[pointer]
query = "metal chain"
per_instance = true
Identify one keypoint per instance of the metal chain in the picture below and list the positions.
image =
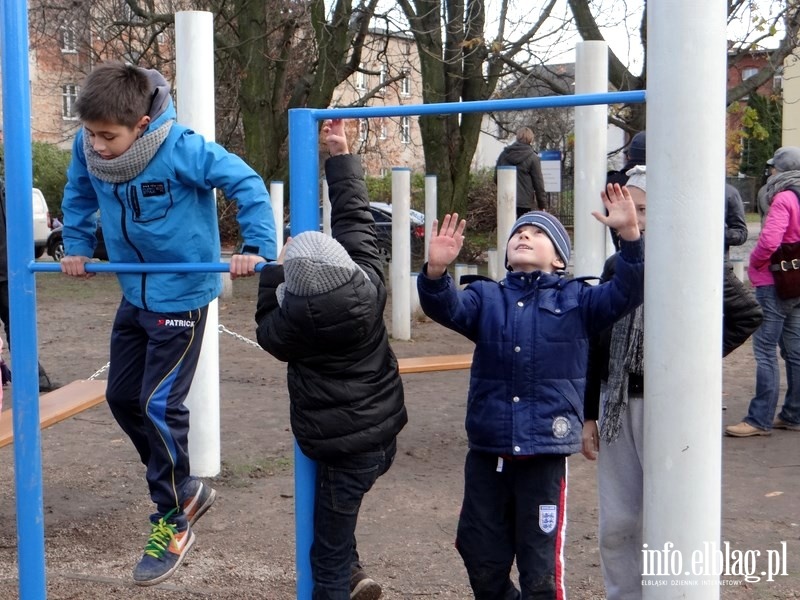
(100, 371)
(222, 329)
(238, 336)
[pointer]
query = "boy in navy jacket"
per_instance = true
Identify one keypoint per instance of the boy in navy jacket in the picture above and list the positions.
(525, 404)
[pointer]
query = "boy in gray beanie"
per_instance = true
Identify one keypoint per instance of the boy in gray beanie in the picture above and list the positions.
(525, 405)
(320, 309)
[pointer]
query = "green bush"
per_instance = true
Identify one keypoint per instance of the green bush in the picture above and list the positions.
(49, 172)
(50, 165)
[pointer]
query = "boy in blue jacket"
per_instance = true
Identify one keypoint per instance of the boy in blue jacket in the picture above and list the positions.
(153, 182)
(525, 404)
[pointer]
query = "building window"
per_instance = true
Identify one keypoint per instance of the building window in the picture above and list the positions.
(405, 84)
(748, 72)
(69, 94)
(363, 129)
(777, 82)
(361, 78)
(405, 130)
(383, 74)
(69, 39)
(383, 130)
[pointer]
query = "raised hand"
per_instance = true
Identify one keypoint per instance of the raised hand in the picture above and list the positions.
(445, 244)
(621, 212)
(334, 136)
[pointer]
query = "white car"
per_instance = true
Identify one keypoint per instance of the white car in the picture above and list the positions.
(41, 223)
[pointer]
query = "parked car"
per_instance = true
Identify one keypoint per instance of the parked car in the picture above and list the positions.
(41, 223)
(55, 244)
(382, 213)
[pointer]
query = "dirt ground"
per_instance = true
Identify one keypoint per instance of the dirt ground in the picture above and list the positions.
(96, 504)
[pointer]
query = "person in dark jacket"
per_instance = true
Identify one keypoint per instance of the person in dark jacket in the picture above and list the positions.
(321, 311)
(525, 404)
(735, 223)
(635, 155)
(530, 183)
(45, 384)
(616, 374)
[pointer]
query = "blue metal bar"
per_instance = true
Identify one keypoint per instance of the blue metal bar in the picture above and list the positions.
(93, 267)
(479, 106)
(22, 296)
(304, 180)
(304, 215)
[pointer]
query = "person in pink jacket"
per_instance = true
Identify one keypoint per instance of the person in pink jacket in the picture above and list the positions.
(781, 325)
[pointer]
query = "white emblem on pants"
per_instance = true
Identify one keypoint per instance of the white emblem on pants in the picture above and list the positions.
(548, 517)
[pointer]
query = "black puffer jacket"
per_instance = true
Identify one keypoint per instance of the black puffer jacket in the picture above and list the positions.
(344, 384)
(741, 316)
(530, 182)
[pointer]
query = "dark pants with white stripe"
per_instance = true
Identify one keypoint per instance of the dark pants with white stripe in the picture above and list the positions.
(514, 509)
(153, 360)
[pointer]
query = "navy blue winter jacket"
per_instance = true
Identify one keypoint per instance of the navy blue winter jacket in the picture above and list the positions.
(531, 334)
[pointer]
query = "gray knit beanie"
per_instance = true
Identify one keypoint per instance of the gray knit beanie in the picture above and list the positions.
(551, 226)
(316, 263)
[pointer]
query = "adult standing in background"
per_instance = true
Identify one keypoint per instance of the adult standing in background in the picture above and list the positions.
(635, 155)
(530, 183)
(780, 329)
(735, 223)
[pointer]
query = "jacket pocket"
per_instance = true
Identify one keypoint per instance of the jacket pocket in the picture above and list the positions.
(150, 201)
(560, 318)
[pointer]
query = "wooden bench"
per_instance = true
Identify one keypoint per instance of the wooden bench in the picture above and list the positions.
(427, 364)
(58, 405)
(83, 394)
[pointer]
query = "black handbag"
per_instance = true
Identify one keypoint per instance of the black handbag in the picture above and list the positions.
(785, 267)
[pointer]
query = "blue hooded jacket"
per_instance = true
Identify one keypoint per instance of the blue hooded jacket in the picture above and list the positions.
(167, 213)
(531, 334)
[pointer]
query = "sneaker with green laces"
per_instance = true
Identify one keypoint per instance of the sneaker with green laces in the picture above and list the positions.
(165, 550)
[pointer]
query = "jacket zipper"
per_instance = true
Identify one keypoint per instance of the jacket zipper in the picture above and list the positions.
(124, 226)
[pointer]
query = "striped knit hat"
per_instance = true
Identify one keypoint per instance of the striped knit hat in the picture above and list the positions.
(551, 226)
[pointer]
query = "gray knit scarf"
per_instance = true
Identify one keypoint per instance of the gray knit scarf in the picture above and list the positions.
(626, 356)
(130, 163)
(782, 181)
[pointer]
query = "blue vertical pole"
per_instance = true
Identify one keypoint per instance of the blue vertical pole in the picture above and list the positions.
(22, 295)
(303, 215)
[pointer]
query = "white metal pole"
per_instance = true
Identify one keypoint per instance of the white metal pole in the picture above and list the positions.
(458, 272)
(591, 122)
(326, 208)
(506, 214)
(431, 202)
(276, 198)
(491, 263)
(400, 272)
(414, 296)
(194, 75)
(683, 365)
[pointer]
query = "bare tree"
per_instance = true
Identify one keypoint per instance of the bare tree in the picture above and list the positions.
(271, 56)
(763, 21)
(459, 63)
